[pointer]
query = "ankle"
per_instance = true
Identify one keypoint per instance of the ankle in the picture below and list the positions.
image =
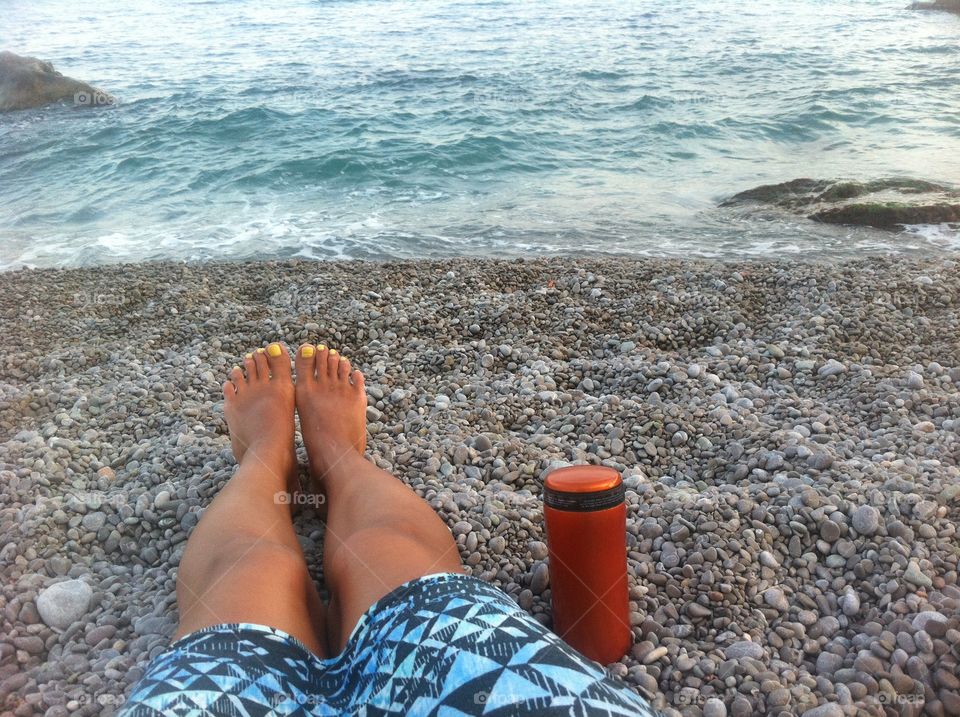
(280, 457)
(333, 457)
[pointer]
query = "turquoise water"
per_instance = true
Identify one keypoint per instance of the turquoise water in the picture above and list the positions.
(396, 128)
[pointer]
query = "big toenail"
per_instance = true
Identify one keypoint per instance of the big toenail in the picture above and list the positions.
(274, 350)
(306, 351)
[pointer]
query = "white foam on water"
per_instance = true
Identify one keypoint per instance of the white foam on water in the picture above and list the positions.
(945, 235)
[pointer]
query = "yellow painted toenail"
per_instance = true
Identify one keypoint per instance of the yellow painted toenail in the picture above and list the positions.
(306, 351)
(248, 356)
(274, 350)
(333, 352)
(237, 368)
(261, 350)
(321, 347)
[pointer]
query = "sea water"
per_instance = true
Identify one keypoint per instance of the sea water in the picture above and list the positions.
(408, 128)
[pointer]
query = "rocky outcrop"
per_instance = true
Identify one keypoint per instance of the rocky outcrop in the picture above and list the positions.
(882, 203)
(27, 82)
(945, 5)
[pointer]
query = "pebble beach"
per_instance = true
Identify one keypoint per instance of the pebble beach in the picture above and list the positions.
(789, 433)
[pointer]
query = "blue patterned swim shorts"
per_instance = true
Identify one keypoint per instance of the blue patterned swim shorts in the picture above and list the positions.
(445, 645)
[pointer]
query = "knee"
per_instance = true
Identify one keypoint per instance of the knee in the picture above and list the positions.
(395, 546)
(250, 561)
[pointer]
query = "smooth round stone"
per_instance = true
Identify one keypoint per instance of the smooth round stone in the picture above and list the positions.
(92, 522)
(870, 664)
(850, 603)
(775, 598)
(819, 460)
(63, 604)
(779, 697)
(829, 531)
(741, 707)
(59, 564)
(922, 619)
(714, 707)
(655, 654)
(830, 709)
(846, 548)
(695, 609)
(865, 519)
(540, 578)
(828, 663)
(98, 634)
(538, 550)
(913, 574)
(161, 500)
(768, 560)
(743, 648)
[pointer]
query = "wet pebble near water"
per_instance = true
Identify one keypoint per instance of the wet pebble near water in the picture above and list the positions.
(789, 436)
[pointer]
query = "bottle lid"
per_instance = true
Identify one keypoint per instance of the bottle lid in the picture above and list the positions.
(583, 488)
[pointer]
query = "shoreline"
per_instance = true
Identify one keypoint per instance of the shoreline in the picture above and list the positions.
(790, 432)
(629, 257)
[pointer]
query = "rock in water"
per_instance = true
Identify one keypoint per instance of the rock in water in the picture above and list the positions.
(62, 604)
(945, 5)
(882, 203)
(27, 82)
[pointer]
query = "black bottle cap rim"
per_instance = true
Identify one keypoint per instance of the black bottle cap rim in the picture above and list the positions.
(584, 502)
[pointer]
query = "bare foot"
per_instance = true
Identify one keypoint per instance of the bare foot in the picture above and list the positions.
(332, 404)
(258, 402)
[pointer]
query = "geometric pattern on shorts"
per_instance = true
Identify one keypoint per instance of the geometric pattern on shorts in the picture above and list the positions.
(445, 645)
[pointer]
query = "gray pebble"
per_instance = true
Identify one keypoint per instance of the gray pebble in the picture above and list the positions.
(714, 707)
(538, 550)
(830, 709)
(92, 522)
(540, 578)
(865, 519)
(743, 648)
(64, 603)
(913, 574)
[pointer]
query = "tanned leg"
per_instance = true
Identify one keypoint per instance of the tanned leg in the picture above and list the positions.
(380, 534)
(242, 563)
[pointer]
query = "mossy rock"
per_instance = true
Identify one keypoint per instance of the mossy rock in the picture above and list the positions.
(850, 190)
(881, 203)
(796, 192)
(808, 192)
(889, 215)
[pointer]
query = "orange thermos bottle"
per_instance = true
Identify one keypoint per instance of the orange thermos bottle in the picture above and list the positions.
(587, 542)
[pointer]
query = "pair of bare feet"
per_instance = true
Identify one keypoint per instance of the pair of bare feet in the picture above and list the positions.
(329, 396)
